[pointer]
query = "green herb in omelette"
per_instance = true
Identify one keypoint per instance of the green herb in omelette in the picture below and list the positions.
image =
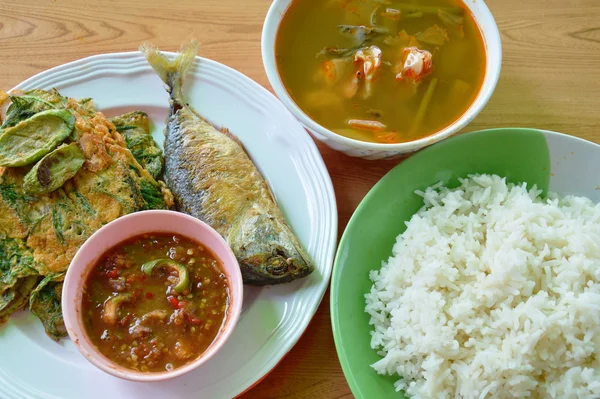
(57, 224)
(45, 304)
(135, 128)
(151, 194)
(16, 297)
(16, 261)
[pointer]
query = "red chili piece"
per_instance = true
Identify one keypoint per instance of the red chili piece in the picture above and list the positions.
(113, 273)
(174, 302)
(194, 320)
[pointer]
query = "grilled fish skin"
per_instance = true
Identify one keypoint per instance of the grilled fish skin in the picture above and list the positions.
(213, 179)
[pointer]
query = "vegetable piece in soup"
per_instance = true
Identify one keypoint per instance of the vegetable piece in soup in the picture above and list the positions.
(403, 69)
(155, 302)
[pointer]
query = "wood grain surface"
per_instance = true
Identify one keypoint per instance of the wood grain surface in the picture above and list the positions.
(550, 79)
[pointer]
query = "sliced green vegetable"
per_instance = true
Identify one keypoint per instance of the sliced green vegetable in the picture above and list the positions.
(450, 19)
(413, 14)
(184, 279)
(373, 17)
(362, 33)
(31, 139)
(433, 35)
(111, 307)
(416, 8)
(24, 107)
(29, 104)
(52, 171)
(453, 22)
(338, 52)
(424, 104)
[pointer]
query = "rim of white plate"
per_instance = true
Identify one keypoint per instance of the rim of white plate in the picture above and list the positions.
(316, 182)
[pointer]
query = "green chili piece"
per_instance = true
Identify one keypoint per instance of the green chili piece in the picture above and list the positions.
(184, 279)
(111, 307)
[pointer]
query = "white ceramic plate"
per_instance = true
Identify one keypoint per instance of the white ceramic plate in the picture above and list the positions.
(273, 318)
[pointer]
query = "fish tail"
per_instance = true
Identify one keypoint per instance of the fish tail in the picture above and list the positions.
(172, 72)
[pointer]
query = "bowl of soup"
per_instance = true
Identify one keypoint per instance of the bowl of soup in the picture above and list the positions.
(376, 79)
(152, 295)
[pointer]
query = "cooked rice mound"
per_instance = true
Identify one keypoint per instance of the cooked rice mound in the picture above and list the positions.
(492, 292)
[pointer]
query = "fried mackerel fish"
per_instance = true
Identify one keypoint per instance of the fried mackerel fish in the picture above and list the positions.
(65, 171)
(214, 179)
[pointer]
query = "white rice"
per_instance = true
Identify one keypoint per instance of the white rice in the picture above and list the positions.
(492, 292)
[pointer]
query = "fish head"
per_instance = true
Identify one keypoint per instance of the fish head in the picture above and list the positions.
(277, 266)
(268, 252)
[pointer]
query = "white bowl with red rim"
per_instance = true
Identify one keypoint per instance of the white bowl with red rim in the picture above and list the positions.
(355, 148)
(122, 229)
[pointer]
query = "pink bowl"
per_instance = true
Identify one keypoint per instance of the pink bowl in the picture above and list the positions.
(122, 229)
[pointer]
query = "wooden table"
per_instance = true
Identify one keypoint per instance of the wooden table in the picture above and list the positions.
(550, 79)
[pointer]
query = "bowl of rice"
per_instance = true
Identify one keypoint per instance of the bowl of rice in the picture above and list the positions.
(472, 270)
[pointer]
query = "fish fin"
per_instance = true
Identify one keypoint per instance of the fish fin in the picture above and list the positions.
(165, 67)
(186, 57)
(270, 191)
(233, 137)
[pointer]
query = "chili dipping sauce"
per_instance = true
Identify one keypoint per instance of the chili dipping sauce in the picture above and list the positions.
(155, 302)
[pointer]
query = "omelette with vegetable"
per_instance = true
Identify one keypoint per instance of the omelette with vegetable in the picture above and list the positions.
(65, 172)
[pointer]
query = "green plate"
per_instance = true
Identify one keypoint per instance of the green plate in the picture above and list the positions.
(518, 154)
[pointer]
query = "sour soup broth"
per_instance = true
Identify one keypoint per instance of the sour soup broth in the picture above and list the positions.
(384, 71)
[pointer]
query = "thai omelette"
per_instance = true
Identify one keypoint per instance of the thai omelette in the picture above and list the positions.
(65, 171)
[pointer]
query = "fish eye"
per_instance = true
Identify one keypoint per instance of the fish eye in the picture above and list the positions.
(277, 266)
